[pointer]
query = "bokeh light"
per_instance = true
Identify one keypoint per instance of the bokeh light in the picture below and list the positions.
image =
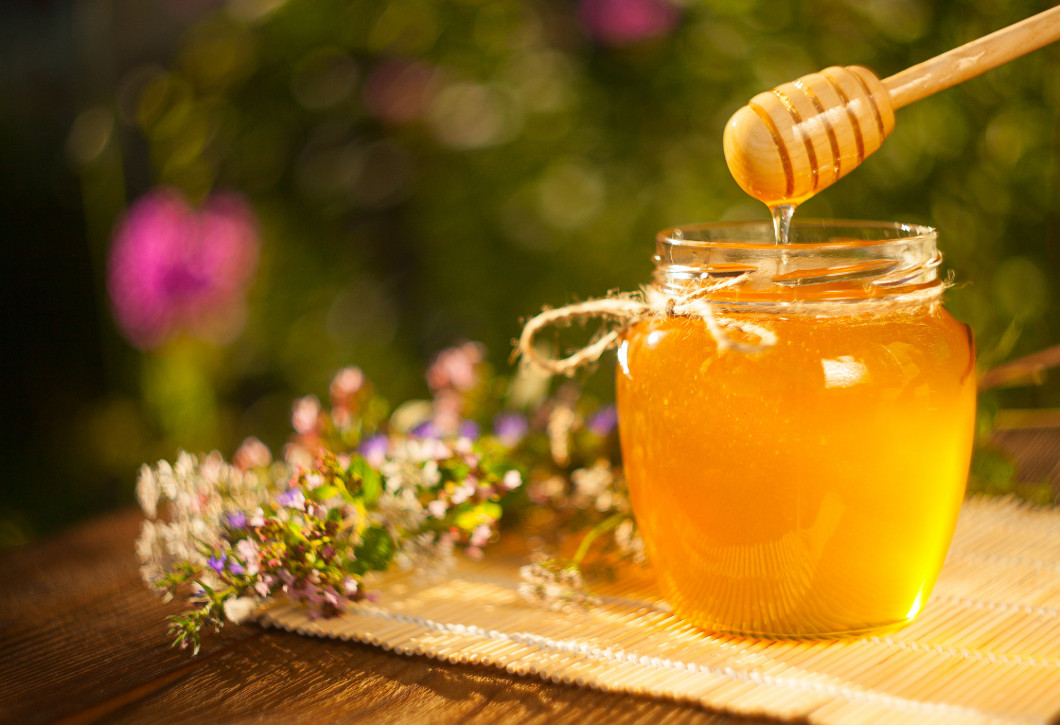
(412, 173)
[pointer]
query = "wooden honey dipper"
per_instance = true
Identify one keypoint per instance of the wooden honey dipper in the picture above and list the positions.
(787, 144)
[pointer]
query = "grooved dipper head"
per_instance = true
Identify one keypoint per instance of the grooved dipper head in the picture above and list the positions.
(787, 144)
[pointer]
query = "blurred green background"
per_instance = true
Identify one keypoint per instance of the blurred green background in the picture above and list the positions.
(419, 172)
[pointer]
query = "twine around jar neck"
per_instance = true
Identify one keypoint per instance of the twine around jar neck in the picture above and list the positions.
(628, 308)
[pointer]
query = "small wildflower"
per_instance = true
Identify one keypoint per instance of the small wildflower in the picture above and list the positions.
(510, 428)
(239, 609)
(305, 414)
(481, 535)
(512, 480)
(252, 454)
(148, 491)
(457, 367)
(249, 552)
(346, 384)
(236, 519)
(292, 498)
(603, 421)
(426, 429)
(469, 429)
(217, 563)
(554, 584)
(374, 449)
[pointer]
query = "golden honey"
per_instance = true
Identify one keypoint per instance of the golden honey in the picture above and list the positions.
(810, 489)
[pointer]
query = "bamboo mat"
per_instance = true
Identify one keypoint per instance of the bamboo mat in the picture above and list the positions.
(985, 649)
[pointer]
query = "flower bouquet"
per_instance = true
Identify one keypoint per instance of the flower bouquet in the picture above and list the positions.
(361, 489)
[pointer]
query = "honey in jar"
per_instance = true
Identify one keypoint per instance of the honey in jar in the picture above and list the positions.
(811, 488)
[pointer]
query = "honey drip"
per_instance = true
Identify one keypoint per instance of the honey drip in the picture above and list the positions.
(782, 214)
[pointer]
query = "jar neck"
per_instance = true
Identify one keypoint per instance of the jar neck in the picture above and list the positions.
(828, 264)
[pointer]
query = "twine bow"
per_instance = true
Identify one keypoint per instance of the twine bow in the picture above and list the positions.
(626, 309)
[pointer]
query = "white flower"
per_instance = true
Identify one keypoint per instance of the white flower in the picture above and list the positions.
(512, 480)
(554, 585)
(239, 609)
(148, 492)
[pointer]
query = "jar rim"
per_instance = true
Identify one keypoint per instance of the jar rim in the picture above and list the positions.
(758, 234)
(829, 261)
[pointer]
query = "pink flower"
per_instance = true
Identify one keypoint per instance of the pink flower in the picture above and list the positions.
(252, 453)
(347, 387)
(304, 415)
(174, 269)
(457, 367)
(623, 22)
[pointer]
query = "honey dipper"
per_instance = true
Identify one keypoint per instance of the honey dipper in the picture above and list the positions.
(787, 144)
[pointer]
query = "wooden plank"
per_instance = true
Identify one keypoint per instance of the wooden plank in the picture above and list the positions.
(287, 677)
(82, 640)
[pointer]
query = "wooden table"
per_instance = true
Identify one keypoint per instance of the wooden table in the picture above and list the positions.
(82, 640)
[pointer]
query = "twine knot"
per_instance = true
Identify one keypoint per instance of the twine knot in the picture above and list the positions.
(625, 309)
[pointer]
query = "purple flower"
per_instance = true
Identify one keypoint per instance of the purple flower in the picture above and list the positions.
(374, 449)
(175, 269)
(603, 421)
(292, 498)
(236, 568)
(236, 519)
(470, 429)
(217, 563)
(426, 429)
(623, 22)
(510, 428)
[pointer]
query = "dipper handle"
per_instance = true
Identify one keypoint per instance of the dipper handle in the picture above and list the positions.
(787, 144)
(974, 58)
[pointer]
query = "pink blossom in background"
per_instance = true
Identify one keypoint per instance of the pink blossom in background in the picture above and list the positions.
(621, 22)
(174, 269)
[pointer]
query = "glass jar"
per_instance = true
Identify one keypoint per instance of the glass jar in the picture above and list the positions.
(810, 489)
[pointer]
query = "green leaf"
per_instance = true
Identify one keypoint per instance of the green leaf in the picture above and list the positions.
(376, 549)
(371, 484)
(323, 492)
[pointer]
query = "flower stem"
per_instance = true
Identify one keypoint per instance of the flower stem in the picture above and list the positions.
(601, 528)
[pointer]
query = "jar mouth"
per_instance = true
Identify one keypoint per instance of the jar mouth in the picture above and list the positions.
(805, 234)
(826, 261)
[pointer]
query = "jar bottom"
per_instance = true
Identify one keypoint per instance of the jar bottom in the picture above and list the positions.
(824, 636)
